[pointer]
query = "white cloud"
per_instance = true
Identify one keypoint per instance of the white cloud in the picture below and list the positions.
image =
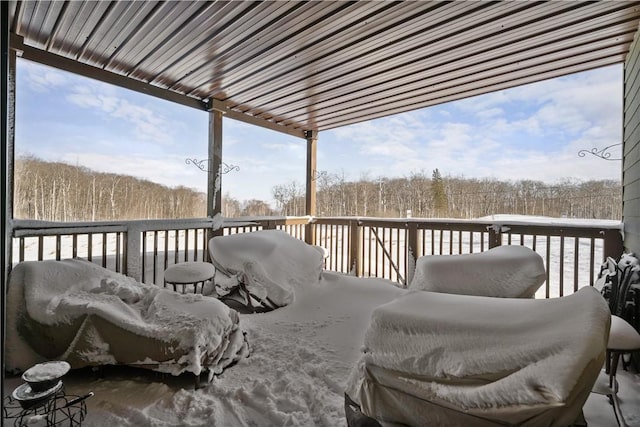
(41, 78)
(148, 124)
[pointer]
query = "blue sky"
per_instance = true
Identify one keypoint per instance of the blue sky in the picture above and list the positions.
(530, 132)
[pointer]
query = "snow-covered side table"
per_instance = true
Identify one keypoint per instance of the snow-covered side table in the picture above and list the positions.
(189, 273)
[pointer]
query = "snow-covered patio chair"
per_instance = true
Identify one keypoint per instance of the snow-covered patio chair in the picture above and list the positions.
(615, 282)
(259, 271)
(77, 311)
(456, 360)
(504, 271)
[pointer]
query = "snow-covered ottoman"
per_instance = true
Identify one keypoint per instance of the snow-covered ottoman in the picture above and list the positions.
(456, 360)
(77, 311)
(504, 271)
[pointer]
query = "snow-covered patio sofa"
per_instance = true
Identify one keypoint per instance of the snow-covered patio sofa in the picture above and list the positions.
(77, 311)
(456, 360)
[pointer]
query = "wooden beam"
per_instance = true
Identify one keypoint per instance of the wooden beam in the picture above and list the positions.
(312, 175)
(214, 104)
(75, 67)
(214, 178)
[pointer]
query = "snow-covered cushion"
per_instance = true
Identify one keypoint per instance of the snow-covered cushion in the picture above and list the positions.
(271, 263)
(504, 271)
(77, 311)
(441, 359)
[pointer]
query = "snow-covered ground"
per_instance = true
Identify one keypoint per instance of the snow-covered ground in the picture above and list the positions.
(301, 356)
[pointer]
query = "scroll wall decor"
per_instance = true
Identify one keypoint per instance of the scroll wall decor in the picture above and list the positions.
(203, 165)
(602, 153)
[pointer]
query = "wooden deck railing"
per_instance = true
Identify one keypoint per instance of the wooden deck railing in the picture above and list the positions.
(366, 247)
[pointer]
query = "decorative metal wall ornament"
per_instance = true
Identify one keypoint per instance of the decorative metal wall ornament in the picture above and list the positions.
(603, 153)
(203, 165)
(316, 174)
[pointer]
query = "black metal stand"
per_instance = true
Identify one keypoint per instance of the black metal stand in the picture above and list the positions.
(59, 409)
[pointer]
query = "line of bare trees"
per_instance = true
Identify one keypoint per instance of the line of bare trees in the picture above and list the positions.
(62, 192)
(431, 197)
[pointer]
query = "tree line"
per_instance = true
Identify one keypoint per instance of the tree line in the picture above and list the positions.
(436, 196)
(55, 191)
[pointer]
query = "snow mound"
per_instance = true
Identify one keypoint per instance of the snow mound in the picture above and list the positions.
(504, 271)
(270, 263)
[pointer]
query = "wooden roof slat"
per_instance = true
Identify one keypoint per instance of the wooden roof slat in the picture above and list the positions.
(490, 83)
(216, 38)
(347, 47)
(296, 66)
(162, 21)
(175, 47)
(265, 43)
(295, 47)
(412, 60)
(449, 66)
(241, 35)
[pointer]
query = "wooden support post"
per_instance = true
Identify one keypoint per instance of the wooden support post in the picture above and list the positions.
(214, 175)
(7, 112)
(413, 251)
(355, 248)
(495, 236)
(310, 201)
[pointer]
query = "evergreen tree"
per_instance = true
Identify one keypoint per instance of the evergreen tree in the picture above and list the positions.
(438, 194)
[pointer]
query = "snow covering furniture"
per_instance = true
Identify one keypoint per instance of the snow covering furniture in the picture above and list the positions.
(77, 311)
(190, 273)
(504, 271)
(457, 360)
(270, 264)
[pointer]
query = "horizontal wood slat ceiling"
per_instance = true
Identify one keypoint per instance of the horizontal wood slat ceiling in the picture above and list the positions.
(298, 66)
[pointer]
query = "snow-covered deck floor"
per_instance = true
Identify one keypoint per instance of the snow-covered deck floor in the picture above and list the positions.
(301, 356)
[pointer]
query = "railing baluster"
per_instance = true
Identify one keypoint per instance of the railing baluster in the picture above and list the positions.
(144, 256)
(576, 254)
(186, 245)
(118, 248)
(176, 248)
(155, 256)
(548, 262)
(592, 257)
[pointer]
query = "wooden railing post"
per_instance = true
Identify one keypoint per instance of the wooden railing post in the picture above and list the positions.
(355, 248)
(495, 235)
(310, 233)
(413, 251)
(134, 253)
(613, 244)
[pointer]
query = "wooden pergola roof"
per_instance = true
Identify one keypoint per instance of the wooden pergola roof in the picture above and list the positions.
(297, 66)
